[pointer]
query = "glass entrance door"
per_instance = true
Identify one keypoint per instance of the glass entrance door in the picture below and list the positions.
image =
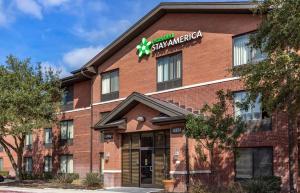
(146, 167)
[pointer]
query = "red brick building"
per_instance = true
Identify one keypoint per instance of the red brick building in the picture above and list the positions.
(124, 111)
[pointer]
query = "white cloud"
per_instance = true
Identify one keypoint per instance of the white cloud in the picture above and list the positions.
(97, 33)
(79, 56)
(30, 7)
(63, 72)
(52, 3)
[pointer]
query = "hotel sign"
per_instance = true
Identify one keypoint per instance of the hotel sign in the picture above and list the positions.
(168, 40)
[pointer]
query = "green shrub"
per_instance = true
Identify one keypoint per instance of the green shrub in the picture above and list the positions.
(47, 176)
(92, 180)
(4, 173)
(232, 188)
(66, 178)
(269, 184)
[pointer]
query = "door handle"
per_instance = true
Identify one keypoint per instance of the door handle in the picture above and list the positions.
(151, 168)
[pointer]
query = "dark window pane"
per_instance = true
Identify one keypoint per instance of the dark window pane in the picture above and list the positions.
(135, 141)
(243, 163)
(147, 140)
(110, 85)
(169, 72)
(263, 162)
(126, 142)
(160, 139)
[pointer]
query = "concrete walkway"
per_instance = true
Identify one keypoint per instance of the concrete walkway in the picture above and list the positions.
(9, 189)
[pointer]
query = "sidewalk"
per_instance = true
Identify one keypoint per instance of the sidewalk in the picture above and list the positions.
(9, 189)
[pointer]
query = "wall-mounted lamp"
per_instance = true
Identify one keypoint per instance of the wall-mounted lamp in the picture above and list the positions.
(106, 156)
(140, 119)
(176, 155)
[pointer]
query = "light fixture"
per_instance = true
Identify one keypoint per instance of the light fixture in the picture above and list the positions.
(176, 155)
(140, 119)
(106, 156)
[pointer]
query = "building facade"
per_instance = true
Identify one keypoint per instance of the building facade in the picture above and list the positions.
(124, 111)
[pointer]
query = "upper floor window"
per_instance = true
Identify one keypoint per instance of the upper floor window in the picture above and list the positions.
(28, 164)
(254, 110)
(110, 85)
(66, 164)
(253, 115)
(28, 140)
(243, 53)
(253, 162)
(67, 99)
(66, 131)
(48, 136)
(169, 71)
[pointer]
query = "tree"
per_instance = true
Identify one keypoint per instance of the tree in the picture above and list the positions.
(29, 100)
(215, 129)
(277, 77)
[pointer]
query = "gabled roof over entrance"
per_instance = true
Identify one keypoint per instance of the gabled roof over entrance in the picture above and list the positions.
(152, 17)
(170, 112)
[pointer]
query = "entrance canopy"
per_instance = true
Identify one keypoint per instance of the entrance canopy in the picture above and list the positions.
(169, 113)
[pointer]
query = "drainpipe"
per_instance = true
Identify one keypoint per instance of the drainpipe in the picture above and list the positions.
(91, 120)
(187, 161)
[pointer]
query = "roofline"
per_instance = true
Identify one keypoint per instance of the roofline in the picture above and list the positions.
(160, 10)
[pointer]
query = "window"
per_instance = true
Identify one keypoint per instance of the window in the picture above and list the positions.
(28, 141)
(254, 111)
(1, 164)
(254, 116)
(67, 99)
(66, 131)
(48, 136)
(66, 164)
(110, 85)
(47, 164)
(253, 162)
(169, 71)
(243, 53)
(28, 164)
(1, 148)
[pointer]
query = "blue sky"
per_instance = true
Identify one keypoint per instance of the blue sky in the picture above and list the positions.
(64, 34)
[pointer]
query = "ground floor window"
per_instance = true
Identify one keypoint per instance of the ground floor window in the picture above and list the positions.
(253, 162)
(66, 164)
(1, 164)
(145, 158)
(28, 164)
(47, 164)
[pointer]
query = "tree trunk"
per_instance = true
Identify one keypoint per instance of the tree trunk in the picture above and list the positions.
(212, 168)
(291, 147)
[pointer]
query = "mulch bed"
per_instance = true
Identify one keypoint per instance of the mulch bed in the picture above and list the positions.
(47, 184)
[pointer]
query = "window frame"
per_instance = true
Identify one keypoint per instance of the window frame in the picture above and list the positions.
(29, 146)
(68, 140)
(51, 137)
(50, 166)
(253, 149)
(25, 165)
(68, 156)
(165, 85)
(1, 164)
(68, 105)
(111, 95)
(238, 36)
(263, 124)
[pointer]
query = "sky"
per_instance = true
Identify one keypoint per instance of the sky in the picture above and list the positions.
(65, 34)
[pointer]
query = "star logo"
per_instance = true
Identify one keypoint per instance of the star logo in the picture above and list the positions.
(144, 48)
